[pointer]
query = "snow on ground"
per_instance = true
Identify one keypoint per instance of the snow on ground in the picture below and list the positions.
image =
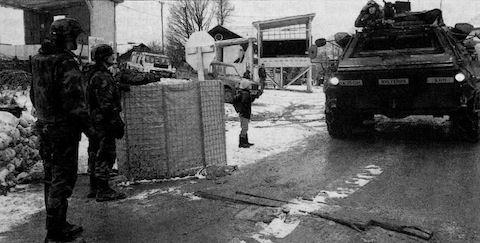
(280, 119)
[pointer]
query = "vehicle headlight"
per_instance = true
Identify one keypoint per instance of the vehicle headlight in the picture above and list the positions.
(460, 77)
(334, 81)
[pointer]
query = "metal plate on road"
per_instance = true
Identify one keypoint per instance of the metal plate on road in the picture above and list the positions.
(393, 81)
(356, 82)
(440, 80)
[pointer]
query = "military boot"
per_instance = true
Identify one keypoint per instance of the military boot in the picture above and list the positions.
(93, 187)
(56, 219)
(72, 229)
(246, 140)
(243, 142)
(105, 193)
(68, 228)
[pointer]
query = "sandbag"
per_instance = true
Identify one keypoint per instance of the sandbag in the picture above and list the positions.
(8, 118)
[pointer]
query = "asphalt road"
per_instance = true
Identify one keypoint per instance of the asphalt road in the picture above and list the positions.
(410, 172)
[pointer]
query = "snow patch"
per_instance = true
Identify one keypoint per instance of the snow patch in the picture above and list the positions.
(146, 194)
(17, 208)
(279, 228)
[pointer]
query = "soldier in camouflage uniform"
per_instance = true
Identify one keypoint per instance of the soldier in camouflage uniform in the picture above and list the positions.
(105, 108)
(58, 96)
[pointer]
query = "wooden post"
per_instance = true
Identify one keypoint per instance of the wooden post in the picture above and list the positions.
(250, 54)
(281, 78)
(309, 79)
(200, 71)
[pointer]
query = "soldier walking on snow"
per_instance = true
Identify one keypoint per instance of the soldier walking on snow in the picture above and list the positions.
(58, 96)
(243, 105)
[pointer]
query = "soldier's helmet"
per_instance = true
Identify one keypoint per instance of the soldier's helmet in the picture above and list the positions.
(66, 28)
(100, 52)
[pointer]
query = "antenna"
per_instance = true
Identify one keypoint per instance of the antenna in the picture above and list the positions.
(441, 4)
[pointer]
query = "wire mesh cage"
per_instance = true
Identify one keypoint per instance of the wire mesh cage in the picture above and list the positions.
(172, 128)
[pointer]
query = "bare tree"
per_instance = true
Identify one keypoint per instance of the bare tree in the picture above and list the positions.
(223, 10)
(186, 17)
(155, 46)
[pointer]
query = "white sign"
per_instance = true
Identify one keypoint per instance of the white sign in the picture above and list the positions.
(200, 50)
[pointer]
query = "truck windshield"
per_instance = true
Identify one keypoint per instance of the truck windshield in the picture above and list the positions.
(394, 43)
(157, 60)
(231, 71)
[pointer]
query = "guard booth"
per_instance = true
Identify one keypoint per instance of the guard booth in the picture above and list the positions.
(283, 48)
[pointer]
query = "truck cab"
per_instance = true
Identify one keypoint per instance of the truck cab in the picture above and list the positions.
(230, 78)
(158, 64)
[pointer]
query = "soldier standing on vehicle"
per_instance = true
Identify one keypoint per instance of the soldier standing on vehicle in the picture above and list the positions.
(243, 106)
(370, 15)
(58, 96)
(262, 74)
(105, 108)
(246, 74)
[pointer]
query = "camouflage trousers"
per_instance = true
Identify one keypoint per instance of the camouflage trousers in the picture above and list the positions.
(244, 125)
(101, 156)
(60, 160)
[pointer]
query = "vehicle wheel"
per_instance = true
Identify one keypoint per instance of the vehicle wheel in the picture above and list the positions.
(337, 125)
(466, 123)
(228, 95)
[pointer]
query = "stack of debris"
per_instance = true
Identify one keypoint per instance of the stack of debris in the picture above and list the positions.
(20, 160)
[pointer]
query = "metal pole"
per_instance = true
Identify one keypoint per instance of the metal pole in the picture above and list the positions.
(163, 41)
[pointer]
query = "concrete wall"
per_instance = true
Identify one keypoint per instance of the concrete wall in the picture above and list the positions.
(97, 20)
(37, 24)
(81, 14)
(102, 15)
(23, 52)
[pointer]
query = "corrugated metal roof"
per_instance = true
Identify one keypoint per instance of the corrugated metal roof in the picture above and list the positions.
(45, 5)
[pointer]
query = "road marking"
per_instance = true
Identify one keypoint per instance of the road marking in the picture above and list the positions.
(282, 226)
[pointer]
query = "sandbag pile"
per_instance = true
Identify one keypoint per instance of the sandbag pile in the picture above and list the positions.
(20, 160)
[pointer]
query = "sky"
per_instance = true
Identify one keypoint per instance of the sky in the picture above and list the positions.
(140, 21)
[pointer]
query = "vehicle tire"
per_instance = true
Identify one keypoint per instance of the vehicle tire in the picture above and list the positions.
(228, 95)
(337, 125)
(466, 124)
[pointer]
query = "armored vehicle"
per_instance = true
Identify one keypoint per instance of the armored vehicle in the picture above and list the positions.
(411, 64)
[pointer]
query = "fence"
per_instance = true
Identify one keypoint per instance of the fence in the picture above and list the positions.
(173, 128)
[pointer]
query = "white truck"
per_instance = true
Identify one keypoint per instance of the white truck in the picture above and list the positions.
(158, 64)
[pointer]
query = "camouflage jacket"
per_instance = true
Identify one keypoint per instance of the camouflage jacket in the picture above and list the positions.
(104, 98)
(58, 92)
(243, 103)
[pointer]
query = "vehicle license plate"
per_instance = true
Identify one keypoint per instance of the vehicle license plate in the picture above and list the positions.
(440, 80)
(393, 81)
(356, 82)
